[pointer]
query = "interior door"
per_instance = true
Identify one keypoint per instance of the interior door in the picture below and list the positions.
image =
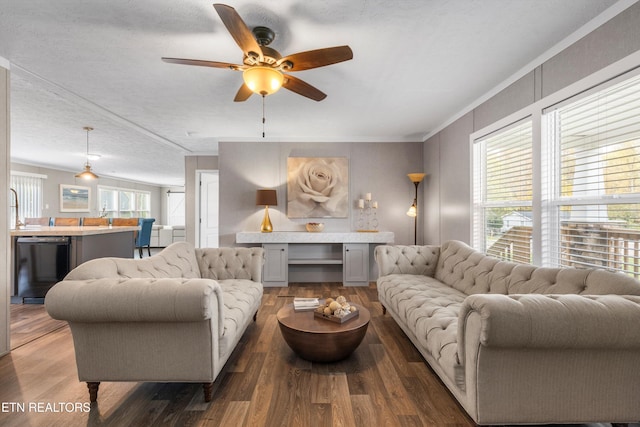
(208, 221)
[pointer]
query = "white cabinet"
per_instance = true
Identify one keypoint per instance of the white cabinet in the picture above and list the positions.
(292, 256)
(155, 236)
(356, 264)
(165, 237)
(275, 268)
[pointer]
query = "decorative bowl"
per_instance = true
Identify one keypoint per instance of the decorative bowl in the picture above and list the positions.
(315, 227)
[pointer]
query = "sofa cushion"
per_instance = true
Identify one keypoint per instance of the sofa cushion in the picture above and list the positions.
(241, 300)
(430, 310)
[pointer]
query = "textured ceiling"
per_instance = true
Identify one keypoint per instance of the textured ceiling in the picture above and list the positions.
(416, 64)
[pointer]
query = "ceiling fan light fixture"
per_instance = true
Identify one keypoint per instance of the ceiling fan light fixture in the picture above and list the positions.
(263, 80)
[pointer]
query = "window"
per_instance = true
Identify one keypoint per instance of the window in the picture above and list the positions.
(503, 193)
(565, 191)
(29, 188)
(593, 213)
(124, 203)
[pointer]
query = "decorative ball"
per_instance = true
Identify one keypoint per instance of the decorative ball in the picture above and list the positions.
(341, 299)
(335, 305)
(327, 311)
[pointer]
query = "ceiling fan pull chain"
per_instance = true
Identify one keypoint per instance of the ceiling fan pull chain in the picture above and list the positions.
(263, 119)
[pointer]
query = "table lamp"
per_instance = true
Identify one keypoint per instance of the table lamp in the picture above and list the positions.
(266, 198)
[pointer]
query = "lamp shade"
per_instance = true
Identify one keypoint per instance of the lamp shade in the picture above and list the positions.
(416, 177)
(86, 173)
(263, 80)
(266, 197)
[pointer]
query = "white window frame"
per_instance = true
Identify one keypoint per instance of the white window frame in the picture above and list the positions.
(513, 251)
(117, 213)
(545, 174)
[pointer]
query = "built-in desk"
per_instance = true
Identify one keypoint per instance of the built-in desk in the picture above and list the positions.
(298, 256)
(78, 244)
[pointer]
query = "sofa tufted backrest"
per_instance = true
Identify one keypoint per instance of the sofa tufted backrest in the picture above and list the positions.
(473, 272)
(398, 259)
(177, 260)
(230, 263)
(526, 279)
(470, 271)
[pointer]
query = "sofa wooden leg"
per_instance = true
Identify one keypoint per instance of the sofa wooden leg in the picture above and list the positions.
(384, 310)
(208, 391)
(93, 391)
(255, 316)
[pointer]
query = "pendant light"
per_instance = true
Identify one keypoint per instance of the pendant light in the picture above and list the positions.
(87, 173)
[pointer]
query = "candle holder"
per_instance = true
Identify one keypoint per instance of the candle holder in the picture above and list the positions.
(367, 215)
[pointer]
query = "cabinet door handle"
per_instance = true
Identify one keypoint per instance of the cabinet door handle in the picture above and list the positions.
(346, 250)
(282, 249)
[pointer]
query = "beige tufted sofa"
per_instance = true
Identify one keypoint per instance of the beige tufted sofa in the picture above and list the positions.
(516, 344)
(173, 317)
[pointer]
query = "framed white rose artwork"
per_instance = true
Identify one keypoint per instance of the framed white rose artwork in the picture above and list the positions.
(317, 187)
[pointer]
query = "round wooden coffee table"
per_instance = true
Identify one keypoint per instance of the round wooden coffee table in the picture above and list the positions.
(321, 340)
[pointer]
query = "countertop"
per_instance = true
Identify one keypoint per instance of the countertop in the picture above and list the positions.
(319, 237)
(71, 230)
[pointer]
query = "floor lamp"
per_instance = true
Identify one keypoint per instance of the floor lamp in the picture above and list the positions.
(416, 178)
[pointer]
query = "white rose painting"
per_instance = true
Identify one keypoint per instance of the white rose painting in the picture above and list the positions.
(317, 187)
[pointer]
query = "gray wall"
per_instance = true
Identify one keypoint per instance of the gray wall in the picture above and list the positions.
(447, 153)
(5, 255)
(377, 168)
(56, 177)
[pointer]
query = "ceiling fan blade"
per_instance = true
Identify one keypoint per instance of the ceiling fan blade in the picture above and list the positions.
(317, 58)
(238, 30)
(303, 88)
(202, 63)
(243, 93)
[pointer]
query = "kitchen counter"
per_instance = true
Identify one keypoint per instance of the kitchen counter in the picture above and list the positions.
(319, 237)
(71, 230)
(81, 244)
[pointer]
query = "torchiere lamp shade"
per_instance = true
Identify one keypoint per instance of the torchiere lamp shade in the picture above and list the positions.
(266, 198)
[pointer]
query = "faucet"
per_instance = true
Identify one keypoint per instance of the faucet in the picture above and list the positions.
(18, 223)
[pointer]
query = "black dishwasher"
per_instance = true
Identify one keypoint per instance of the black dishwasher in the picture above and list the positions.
(40, 262)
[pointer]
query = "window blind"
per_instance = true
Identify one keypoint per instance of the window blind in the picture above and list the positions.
(503, 193)
(29, 189)
(597, 192)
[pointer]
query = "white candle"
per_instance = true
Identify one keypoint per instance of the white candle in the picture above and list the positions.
(375, 205)
(361, 204)
(367, 197)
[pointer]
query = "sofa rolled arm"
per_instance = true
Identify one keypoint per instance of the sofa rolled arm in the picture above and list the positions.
(401, 259)
(552, 321)
(135, 300)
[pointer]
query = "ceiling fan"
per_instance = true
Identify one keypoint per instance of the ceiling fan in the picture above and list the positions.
(263, 67)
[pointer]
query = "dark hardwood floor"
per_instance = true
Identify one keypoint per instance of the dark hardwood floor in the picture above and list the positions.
(385, 382)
